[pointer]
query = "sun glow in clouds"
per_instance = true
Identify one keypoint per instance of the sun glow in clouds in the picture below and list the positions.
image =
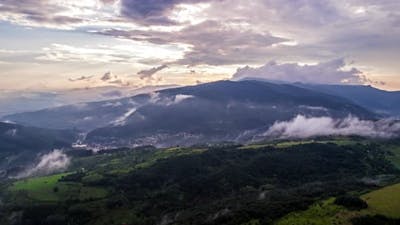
(360, 10)
(191, 13)
(122, 53)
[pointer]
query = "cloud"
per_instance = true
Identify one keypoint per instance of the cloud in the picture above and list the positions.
(179, 98)
(314, 108)
(156, 98)
(108, 1)
(330, 72)
(145, 74)
(304, 127)
(308, 31)
(210, 42)
(112, 104)
(152, 12)
(51, 162)
(95, 54)
(109, 54)
(234, 32)
(36, 13)
(111, 78)
(120, 121)
(82, 78)
(108, 76)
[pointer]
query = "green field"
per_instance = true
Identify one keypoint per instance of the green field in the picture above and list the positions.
(323, 213)
(385, 201)
(42, 188)
(50, 189)
(286, 144)
(168, 153)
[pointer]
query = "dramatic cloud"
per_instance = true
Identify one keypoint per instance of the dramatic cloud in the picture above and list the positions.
(304, 127)
(217, 35)
(331, 72)
(152, 12)
(38, 13)
(210, 42)
(54, 161)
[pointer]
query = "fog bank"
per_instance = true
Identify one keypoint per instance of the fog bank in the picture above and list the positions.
(49, 163)
(304, 127)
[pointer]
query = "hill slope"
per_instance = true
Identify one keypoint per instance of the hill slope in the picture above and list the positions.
(220, 111)
(212, 112)
(375, 100)
(19, 144)
(218, 185)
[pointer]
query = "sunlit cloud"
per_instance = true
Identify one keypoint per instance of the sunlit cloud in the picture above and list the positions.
(190, 13)
(125, 54)
(330, 72)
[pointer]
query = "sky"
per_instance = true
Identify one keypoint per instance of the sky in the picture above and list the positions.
(69, 44)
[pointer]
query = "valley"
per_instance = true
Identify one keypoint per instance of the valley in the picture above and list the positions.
(266, 153)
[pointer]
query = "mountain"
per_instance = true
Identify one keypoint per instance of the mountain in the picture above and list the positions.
(219, 111)
(81, 116)
(211, 112)
(379, 101)
(12, 102)
(19, 144)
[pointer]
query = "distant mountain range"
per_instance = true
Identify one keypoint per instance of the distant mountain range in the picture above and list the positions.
(385, 103)
(12, 102)
(206, 113)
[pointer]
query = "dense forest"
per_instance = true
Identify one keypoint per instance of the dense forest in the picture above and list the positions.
(224, 184)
